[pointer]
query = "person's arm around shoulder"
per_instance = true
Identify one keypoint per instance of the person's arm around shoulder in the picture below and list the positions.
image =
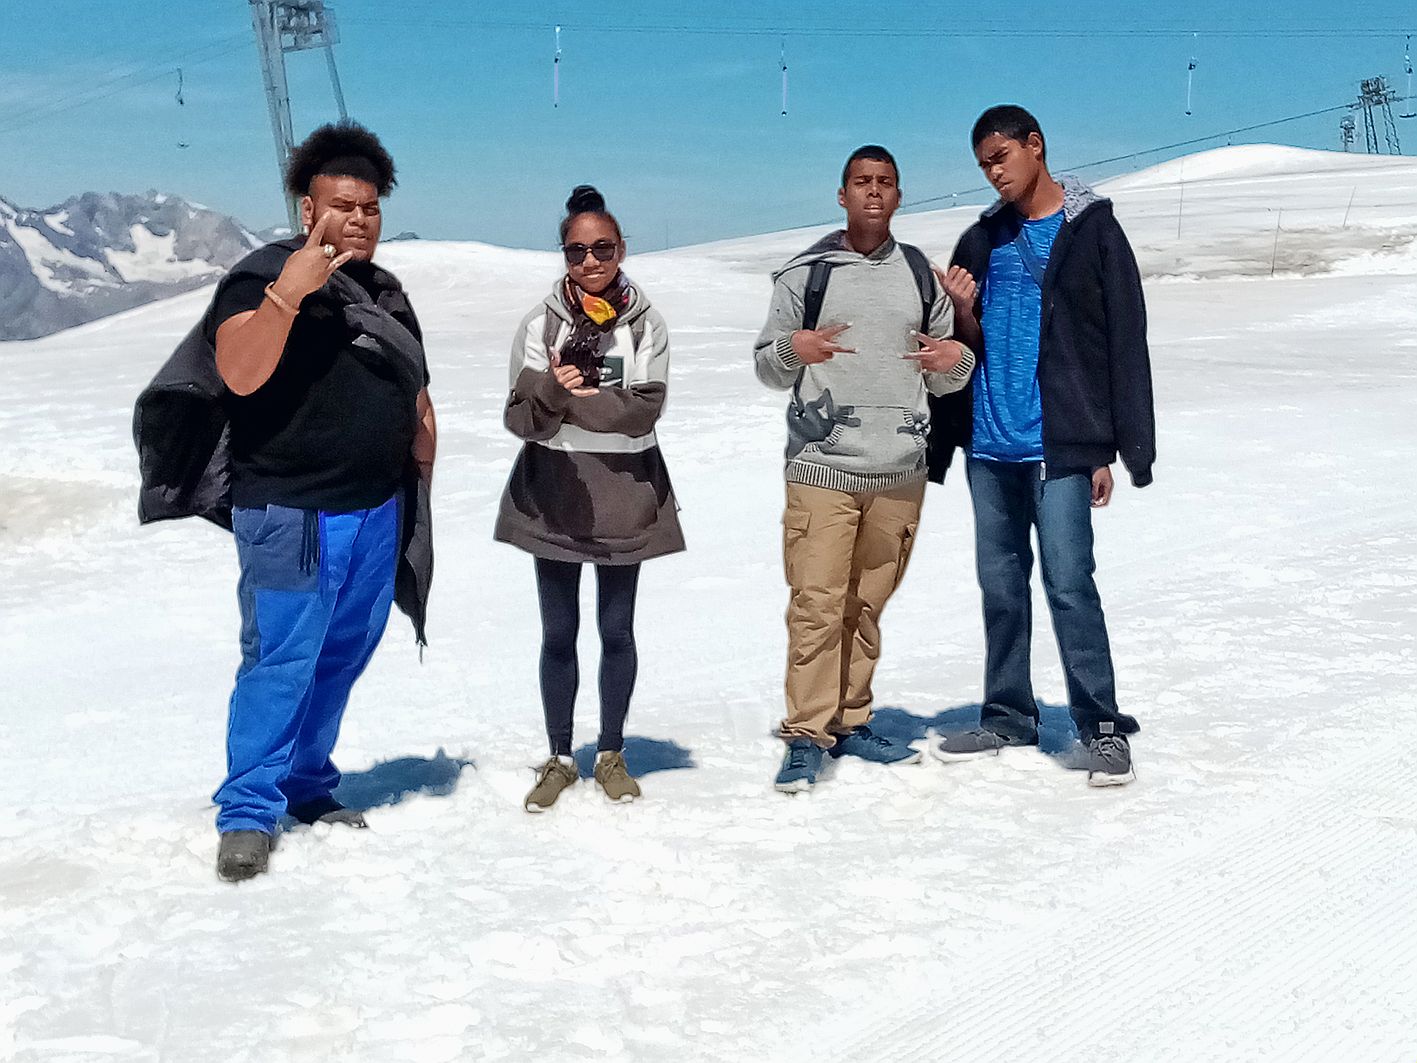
(1128, 356)
(249, 344)
(961, 284)
(945, 361)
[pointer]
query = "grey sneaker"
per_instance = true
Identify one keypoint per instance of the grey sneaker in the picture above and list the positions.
(551, 778)
(614, 778)
(1108, 759)
(243, 854)
(980, 742)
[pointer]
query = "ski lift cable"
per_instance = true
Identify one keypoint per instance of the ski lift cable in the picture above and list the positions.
(1147, 151)
(120, 83)
(122, 58)
(12, 122)
(981, 30)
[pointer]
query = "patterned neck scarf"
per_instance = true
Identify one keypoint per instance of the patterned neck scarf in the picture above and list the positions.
(593, 317)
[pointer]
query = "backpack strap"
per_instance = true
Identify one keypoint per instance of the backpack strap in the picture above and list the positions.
(815, 292)
(816, 289)
(924, 280)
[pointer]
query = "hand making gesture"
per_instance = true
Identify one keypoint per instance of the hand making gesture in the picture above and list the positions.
(814, 346)
(308, 269)
(571, 378)
(959, 285)
(935, 356)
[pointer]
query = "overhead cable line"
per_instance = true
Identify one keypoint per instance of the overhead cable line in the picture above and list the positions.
(121, 83)
(1264, 29)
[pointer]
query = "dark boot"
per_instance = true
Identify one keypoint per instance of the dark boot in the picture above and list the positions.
(243, 854)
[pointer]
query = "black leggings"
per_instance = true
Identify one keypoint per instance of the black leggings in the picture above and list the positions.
(558, 587)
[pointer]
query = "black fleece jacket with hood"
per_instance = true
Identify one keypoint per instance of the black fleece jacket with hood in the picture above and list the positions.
(1094, 369)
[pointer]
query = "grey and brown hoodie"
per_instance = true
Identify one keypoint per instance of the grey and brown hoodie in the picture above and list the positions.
(857, 422)
(590, 484)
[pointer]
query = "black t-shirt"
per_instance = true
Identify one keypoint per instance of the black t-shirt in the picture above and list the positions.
(329, 430)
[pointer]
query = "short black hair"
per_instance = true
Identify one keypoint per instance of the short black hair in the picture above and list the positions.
(869, 151)
(1010, 121)
(340, 149)
(584, 199)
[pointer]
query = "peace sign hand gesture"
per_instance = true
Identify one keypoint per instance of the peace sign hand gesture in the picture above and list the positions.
(814, 346)
(936, 356)
(308, 269)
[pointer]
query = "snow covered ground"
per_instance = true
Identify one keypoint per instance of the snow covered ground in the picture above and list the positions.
(1250, 897)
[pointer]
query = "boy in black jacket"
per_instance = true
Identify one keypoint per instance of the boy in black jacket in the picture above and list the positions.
(1063, 388)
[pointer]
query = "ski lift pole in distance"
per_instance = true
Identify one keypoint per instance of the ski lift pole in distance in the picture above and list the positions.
(1190, 75)
(556, 72)
(1407, 58)
(782, 63)
(182, 141)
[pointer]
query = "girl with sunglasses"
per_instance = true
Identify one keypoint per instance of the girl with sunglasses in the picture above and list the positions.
(588, 373)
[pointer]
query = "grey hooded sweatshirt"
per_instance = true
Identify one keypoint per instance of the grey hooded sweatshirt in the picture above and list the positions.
(857, 422)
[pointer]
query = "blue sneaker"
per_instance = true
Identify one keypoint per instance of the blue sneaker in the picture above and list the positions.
(866, 744)
(799, 766)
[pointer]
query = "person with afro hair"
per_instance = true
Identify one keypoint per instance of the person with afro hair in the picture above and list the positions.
(331, 438)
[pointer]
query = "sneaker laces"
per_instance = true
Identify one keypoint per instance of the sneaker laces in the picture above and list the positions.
(1109, 747)
(547, 769)
(797, 756)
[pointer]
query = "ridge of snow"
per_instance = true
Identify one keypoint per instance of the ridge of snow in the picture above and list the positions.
(1257, 160)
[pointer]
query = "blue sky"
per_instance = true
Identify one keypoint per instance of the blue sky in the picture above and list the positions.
(674, 116)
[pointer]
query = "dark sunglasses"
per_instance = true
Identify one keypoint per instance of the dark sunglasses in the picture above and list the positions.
(603, 250)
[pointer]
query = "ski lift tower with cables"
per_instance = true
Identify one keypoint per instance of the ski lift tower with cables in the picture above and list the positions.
(1374, 95)
(291, 26)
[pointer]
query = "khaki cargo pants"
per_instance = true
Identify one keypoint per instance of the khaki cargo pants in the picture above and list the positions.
(845, 554)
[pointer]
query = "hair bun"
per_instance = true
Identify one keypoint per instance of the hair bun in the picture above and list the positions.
(585, 199)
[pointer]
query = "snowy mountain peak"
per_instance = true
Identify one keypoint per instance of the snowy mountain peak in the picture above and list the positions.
(101, 252)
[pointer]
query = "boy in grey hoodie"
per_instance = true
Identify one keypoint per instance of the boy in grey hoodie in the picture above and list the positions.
(857, 424)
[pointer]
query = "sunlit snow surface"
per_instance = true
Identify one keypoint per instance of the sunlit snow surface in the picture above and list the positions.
(1250, 897)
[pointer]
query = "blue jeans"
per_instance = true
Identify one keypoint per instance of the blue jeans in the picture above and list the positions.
(315, 592)
(1010, 499)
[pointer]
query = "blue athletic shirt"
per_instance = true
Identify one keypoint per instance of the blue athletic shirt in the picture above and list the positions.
(1008, 408)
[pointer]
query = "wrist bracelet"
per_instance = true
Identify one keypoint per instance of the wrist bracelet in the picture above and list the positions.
(281, 303)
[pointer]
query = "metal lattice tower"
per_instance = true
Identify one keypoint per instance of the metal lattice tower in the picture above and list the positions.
(1348, 132)
(291, 26)
(1374, 95)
